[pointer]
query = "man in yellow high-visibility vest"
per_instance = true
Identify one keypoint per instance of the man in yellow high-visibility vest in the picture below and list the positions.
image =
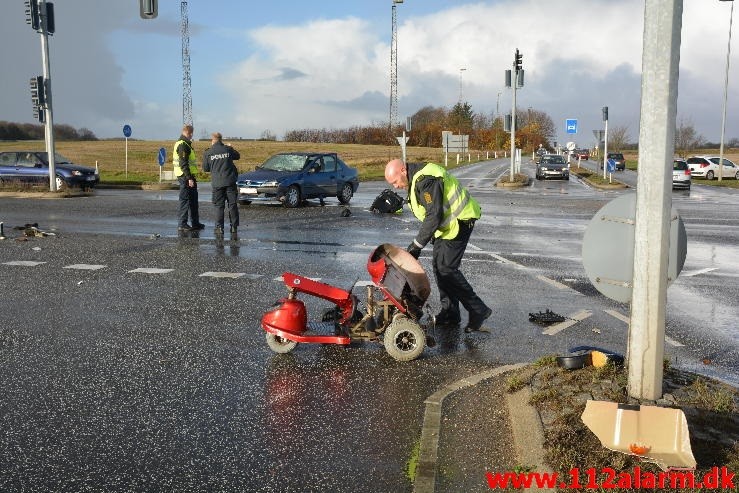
(186, 170)
(448, 213)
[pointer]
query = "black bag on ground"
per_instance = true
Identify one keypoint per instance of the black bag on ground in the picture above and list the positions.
(387, 202)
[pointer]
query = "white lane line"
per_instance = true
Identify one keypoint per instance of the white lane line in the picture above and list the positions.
(84, 267)
(700, 271)
(505, 260)
(228, 275)
(554, 283)
(576, 317)
(24, 263)
(625, 319)
(151, 270)
(474, 247)
(279, 278)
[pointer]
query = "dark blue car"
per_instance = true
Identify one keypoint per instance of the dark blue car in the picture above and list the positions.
(292, 177)
(32, 168)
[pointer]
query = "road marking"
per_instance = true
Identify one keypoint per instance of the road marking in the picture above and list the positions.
(574, 318)
(698, 272)
(280, 279)
(505, 260)
(24, 263)
(624, 318)
(554, 283)
(147, 270)
(84, 267)
(363, 283)
(230, 275)
(474, 247)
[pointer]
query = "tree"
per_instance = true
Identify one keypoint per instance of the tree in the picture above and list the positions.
(618, 137)
(267, 135)
(686, 138)
(460, 118)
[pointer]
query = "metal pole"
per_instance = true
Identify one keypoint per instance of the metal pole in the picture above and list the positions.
(513, 122)
(605, 151)
(403, 144)
(726, 89)
(49, 127)
(660, 70)
(126, 158)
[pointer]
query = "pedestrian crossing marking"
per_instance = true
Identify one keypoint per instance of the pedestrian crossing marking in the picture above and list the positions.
(84, 267)
(151, 270)
(24, 263)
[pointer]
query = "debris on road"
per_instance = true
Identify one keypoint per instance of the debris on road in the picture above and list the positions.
(546, 318)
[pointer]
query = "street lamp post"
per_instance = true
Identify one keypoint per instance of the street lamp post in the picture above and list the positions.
(726, 90)
(460, 83)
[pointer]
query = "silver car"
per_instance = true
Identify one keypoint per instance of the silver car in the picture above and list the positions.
(680, 174)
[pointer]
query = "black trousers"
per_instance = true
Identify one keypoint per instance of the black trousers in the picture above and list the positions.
(221, 195)
(188, 203)
(453, 286)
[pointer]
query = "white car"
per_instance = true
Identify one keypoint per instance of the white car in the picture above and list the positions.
(707, 167)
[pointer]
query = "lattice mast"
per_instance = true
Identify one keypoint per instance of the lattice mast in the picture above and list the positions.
(186, 83)
(394, 71)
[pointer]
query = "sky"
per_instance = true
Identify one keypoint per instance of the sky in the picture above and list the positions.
(278, 65)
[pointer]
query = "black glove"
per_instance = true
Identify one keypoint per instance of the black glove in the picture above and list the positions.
(414, 250)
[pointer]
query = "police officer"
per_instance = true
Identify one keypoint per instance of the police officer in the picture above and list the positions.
(448, 213)
(219, 160)
(185, 169)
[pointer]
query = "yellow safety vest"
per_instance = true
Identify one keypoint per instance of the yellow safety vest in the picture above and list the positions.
(192, 163)
(458, 203)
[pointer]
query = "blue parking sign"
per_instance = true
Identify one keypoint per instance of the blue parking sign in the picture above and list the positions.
(571, 125)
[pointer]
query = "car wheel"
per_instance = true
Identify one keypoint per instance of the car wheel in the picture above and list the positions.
(244, 202)
(60, 183)
(292, 197)
(346, 193)
(709, 175)
(404, 339)
(280, 344)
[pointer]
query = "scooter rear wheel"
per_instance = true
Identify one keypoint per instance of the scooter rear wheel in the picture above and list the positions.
(280, 344)
(404, 339)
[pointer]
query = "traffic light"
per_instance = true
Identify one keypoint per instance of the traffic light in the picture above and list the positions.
(519, 78)
(49, 18)
(605, 113)
(508, 78)
(32, 14)
(148, 9)
(38, 94)
(518, 63)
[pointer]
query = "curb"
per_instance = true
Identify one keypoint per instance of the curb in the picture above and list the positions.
(430, 432)
(501, 183)
(65, 194)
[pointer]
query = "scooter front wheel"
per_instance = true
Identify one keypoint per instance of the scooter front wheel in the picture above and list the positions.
(280, 344)
(404, 339)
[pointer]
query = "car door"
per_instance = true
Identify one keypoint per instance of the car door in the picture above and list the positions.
(31, 168)
(730, 169)
(312, 177)
(7, 166)
(327, 178)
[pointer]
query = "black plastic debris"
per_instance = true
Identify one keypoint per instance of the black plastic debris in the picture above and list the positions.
(546, 318)
(387, 202)
(345, 212)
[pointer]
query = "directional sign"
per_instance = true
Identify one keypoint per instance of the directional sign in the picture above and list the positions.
(162, 156)
(611, 165)
(571, 125)
(126, 131)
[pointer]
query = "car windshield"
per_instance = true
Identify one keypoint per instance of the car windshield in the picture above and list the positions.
(58, 158)
(615, 156)
(695, 160)
(553, 160)
(285, 162)
(679, 165)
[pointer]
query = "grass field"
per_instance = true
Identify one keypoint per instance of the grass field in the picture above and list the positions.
(110, 155)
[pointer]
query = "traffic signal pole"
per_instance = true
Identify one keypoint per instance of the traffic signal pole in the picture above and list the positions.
(49, 129)
(660, 69)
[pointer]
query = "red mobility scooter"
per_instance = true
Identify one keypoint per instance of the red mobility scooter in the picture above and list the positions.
(391, 314)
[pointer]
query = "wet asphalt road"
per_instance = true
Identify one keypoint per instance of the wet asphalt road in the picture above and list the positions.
(128, 381)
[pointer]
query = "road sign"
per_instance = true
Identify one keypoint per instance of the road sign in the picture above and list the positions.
(608, 248)
(162, 156)
(127, 131)
(611, 165)
(599, 134)
(571, 125)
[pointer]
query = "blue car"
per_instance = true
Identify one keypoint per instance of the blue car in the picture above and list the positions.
(32, 168)
(293, 177)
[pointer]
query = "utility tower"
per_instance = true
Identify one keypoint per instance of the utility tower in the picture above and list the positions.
(186, 84)
(394, 70)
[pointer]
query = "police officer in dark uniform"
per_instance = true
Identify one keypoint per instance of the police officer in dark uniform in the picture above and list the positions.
(219, 161)
(448, 213)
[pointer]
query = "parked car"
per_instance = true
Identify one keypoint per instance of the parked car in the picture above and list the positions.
(581, 154)
(32, 167)
(680, 174)
(707, 167)
(292, 177)
(618, 158)
(552, 166)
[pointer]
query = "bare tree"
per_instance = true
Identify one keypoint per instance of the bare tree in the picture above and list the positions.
(618, 137)
(686, 138)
